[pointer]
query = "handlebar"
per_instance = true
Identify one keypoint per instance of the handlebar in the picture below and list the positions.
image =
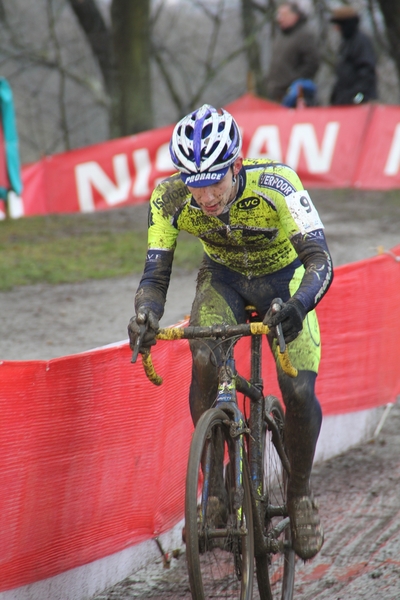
(214, 332)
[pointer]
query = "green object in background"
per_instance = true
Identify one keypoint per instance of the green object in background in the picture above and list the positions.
(8, 122)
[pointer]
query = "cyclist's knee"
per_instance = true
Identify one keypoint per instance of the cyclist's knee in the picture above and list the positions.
(203, 388)
(298, 393)
(201, 355)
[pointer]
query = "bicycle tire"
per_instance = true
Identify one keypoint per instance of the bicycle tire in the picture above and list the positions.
(218, 567)
(275, 571)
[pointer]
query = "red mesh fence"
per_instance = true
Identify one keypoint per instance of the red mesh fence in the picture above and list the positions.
(94, 456)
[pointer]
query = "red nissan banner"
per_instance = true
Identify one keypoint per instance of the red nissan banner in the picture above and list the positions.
(322, 145)
(114, 173)
(249, 102)
(379, 166)
(34, 195)
(329, 147)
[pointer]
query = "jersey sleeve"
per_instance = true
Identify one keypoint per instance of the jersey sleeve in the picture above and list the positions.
(304, 228)
(313, 252)
(162, 236)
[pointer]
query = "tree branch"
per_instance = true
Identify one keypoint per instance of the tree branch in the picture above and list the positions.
(98, 35)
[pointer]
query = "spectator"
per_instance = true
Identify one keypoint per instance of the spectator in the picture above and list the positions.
(294, 56)
(356, 80)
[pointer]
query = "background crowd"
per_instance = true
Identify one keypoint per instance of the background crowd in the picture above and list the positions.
(83, 72)
(296, 58)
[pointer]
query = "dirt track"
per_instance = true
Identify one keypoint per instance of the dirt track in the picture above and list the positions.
(44, 321)
(359, 497)
(359, 493)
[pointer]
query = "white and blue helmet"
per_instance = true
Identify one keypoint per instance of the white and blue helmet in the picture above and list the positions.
(204, 144)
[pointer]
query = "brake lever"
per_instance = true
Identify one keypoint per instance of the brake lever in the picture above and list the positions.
(138, 342)
(276, 307)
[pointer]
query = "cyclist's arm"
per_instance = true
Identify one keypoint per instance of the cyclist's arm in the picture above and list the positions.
(304, 228)
(313, 252)
(153, 287)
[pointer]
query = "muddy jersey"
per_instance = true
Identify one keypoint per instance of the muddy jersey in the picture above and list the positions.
(270, 224)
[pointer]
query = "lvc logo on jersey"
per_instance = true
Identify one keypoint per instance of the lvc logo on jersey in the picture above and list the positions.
(248, 203)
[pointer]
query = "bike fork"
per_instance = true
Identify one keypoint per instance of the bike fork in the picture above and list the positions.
(256, 446)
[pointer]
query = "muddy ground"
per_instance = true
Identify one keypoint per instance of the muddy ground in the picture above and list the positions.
(359, 492)
(359, 498)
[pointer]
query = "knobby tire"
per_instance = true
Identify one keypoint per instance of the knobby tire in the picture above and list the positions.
(275, 572)
(218, 567)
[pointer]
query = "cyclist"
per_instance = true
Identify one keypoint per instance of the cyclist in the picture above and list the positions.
(262, 239)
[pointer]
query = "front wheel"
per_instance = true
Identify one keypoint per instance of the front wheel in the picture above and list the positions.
(276, 569)
(219, 536)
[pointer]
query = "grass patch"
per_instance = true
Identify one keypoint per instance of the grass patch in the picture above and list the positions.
(70, 248)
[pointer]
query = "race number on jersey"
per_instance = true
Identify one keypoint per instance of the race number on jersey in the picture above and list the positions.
(303, 211)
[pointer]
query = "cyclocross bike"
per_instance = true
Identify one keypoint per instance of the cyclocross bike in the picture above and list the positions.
(224, 541)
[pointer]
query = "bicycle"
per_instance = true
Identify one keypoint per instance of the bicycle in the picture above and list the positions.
(225, 536)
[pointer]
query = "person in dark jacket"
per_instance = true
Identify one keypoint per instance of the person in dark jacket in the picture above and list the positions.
(356, 80)
(295, 56)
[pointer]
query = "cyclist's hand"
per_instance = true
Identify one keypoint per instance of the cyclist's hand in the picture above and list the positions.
(146, 323)
(291, 316)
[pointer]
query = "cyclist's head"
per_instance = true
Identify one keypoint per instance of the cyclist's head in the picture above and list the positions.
(204, 144)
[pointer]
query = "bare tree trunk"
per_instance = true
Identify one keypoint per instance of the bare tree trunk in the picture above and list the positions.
(123, 55)
(62, 84)
(99, 37)
(131, 37)
(391, 14)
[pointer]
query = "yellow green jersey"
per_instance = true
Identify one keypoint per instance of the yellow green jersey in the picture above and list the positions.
(271, 223)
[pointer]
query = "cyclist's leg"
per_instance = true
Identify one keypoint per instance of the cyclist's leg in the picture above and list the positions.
(216, 301)
(303, 423)
(303, 412)
(302, 426)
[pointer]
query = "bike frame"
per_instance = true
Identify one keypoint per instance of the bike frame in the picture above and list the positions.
(227, 402)
(245, 439)
(229, 384)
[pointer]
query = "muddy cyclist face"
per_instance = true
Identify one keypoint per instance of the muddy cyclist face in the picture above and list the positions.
(212, 199)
